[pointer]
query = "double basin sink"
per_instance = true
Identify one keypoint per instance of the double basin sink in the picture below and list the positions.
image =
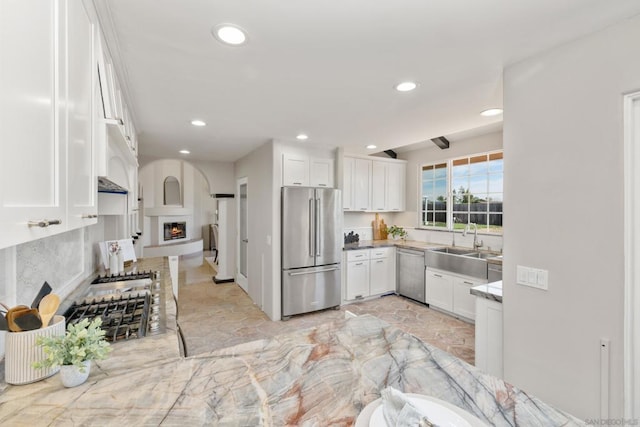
(462, 261)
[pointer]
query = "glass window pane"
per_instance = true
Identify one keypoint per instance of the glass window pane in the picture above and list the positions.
(478, 184)
(440, 191)
(479, 205)
(459, 220)
(427, 172)
(495, 183)
(495, 205)
(479, 219)
(440, 171)
(478, 165)
(460, 167)
(460, 184)
(495, 223)
(496, 163)
(440, 219)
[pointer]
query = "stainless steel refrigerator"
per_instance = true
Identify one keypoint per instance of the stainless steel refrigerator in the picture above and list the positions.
(311, 249)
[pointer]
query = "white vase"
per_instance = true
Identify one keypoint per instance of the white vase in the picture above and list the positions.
(21, 351)
(71, 375)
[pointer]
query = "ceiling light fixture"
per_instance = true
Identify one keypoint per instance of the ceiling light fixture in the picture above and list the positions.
(185, 152)
(230, 34)
(491, 112)
(198, 123)
(302, 137)
(371, 147)
(406, 86)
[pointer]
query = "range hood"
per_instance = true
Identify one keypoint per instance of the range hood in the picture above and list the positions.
(107, 186)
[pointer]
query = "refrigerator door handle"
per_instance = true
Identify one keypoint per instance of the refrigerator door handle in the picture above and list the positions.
(312, 272)
(311, 228)
(318, 227)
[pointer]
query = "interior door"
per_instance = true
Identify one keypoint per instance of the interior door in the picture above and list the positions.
(243, 234)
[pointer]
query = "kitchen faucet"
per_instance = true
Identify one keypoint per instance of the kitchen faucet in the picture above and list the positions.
(476, 244)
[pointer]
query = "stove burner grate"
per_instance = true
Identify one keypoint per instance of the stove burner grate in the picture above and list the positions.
(110, 278)
(123, 317)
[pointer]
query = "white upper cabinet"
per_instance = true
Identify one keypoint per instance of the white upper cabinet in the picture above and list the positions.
(395, 185)
(362, 185)
(321, 172)
(378, 186)
(348, 169)
(32, 131)
(295, 170)
(373, 185)
(51, 111)
(305, 171)
(82, 183)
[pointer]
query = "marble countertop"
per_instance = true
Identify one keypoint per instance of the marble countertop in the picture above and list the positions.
(491, 291)
(319, 376)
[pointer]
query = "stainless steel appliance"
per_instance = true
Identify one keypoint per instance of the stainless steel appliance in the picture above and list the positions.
(410, 274)
(130, 305)
(311, 249)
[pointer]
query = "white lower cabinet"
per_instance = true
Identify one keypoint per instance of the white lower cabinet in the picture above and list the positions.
(358, 275)
(489, 336)
(451, 292)
(383, 271)
(439, 290)
(370, 272)
(464, 304)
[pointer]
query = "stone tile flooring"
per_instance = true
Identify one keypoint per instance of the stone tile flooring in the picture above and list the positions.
(214, 316)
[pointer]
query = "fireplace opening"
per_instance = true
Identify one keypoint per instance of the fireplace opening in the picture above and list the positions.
(175, 230)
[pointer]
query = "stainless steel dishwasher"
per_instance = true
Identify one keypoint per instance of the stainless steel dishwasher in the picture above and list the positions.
(410, 274)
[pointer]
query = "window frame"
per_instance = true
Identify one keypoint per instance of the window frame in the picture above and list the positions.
(422, 213)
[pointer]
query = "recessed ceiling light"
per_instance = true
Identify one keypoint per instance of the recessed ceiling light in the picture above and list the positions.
(491, 112)
(185, 151)
(302, 137)
(198, 123)
(406, 86)
(371, 147)
(230, 34)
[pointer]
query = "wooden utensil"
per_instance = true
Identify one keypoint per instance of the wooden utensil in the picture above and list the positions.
(28, 320)
(11, 315)
(44, 290)
(48, 307)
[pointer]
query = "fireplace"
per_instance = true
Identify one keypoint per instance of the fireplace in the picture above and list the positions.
(175, 230)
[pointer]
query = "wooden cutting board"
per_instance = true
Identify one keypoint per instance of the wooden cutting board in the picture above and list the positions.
(379, 228)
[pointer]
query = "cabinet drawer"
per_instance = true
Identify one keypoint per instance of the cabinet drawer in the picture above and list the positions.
(358, 255)
(381, 253)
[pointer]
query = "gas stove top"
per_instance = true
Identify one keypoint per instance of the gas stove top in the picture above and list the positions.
(130, 306)
(110, 278)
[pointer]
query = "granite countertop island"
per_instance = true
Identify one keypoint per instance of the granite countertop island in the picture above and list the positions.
(319, 376)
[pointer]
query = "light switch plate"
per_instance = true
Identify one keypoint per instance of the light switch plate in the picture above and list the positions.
(533, 277)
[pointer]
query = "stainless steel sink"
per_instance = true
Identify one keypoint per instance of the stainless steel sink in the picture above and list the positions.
(459, 261)
(454, 251)
(481, 255)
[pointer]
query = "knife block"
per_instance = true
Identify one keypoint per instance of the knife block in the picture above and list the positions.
(21, 352)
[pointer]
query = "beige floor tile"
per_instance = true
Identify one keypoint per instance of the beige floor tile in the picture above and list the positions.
(214, 316)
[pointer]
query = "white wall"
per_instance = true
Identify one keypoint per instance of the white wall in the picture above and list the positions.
(257, 167)
(195, 192)
(563, 148)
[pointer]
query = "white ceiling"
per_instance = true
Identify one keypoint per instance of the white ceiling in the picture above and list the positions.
(327, 68)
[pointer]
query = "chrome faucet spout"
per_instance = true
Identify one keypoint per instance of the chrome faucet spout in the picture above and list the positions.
(476, 243)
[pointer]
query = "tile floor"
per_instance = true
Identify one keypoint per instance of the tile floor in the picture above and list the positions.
(214, 316)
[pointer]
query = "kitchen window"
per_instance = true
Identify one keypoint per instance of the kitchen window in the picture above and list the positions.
(463, 190)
